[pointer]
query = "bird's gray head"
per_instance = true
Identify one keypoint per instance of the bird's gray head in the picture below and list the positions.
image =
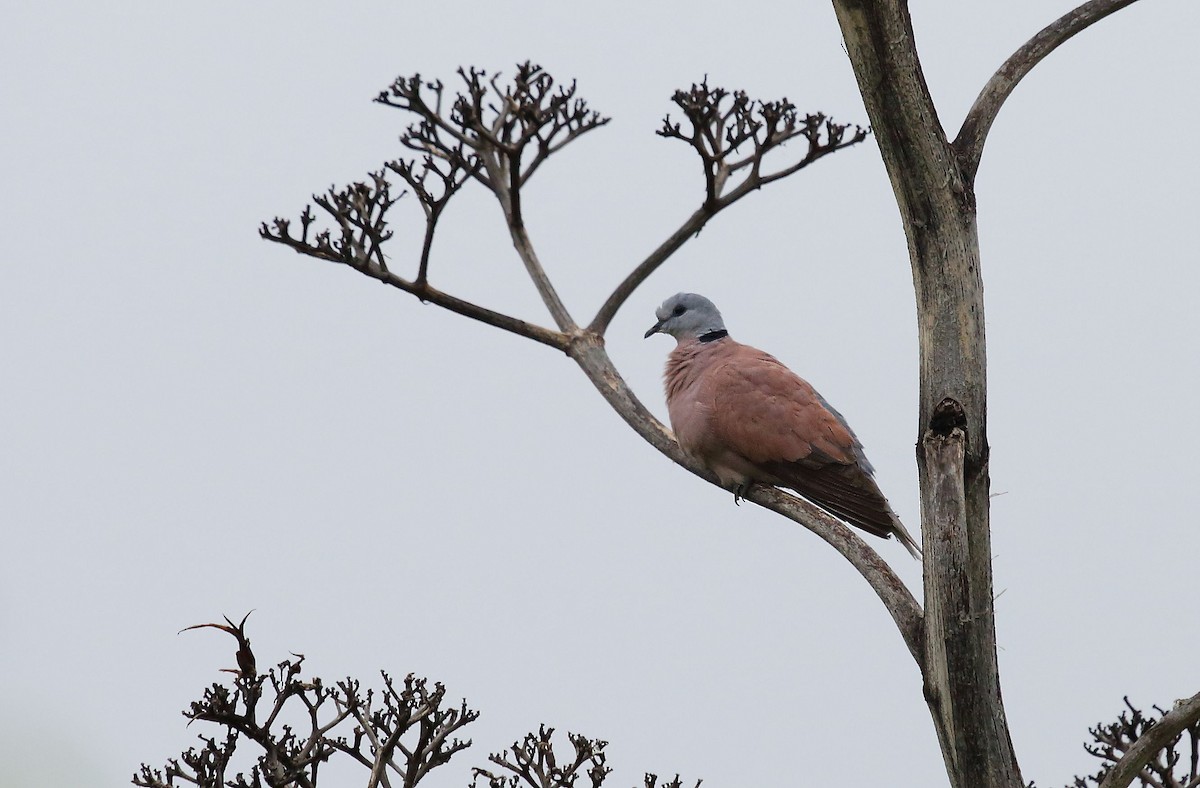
(689, 316)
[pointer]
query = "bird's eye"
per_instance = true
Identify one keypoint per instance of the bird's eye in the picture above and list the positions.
(679, 310)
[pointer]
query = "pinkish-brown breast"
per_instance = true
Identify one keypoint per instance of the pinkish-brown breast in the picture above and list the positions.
(726, 398)
(689, 401)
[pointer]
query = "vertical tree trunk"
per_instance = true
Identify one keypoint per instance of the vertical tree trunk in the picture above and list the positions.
(937, 207)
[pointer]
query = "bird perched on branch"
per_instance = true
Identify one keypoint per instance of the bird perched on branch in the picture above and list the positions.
(748, 418)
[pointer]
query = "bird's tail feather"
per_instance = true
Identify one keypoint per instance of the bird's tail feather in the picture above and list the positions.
(906, 539)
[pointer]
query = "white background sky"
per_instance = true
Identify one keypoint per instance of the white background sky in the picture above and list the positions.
(197, 423)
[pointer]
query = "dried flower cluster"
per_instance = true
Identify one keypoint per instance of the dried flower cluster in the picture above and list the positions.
(1177, 765)
(397, 733)
(733, 134)
(499, 134)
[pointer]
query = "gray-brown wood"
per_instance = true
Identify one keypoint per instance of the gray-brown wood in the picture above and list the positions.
(933, 183)
(938, 212)
(961, 677)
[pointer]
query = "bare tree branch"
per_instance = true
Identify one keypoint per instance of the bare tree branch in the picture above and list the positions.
(723, 126)
(952, 668)
(343, 250)
(899, 601)
(1141, 748)
(975, 128)
(533, 267)
(499, 135)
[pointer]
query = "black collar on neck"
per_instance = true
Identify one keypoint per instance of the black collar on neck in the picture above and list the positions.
(713, 336)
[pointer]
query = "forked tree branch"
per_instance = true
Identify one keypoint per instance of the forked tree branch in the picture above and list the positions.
(1151, 742)
(452, 174)
(500, 135)
(975, 128)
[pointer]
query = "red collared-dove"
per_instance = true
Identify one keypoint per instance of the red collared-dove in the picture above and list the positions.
(748, 418)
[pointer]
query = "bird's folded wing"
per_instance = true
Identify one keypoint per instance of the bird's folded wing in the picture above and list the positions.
(839, 489)
(767, 413)
(775, 420)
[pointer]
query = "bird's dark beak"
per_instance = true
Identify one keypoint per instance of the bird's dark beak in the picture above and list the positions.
(654, 329)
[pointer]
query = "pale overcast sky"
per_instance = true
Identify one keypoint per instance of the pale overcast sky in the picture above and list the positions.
(197, 423)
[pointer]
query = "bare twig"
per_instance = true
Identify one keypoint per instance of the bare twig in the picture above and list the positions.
(510, 130)
(533, 763)
(382, 729)
(534, 112)
(451, 174)
(651, 781)
(205, 766)
(978, 123)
